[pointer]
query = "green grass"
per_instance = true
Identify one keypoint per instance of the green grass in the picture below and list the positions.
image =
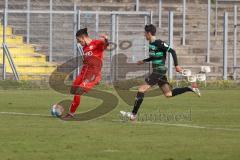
(46, 138)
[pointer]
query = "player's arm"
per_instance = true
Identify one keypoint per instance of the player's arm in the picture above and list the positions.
(165, 47)
(147, 60)
(175, 60)
(104, 41)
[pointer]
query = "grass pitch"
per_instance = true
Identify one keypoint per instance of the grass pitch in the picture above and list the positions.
(210, 129)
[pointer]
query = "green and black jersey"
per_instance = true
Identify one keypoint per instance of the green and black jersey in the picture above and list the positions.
(157, 55)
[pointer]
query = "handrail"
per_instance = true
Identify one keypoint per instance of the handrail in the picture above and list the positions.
(6, 51)
(10, 60)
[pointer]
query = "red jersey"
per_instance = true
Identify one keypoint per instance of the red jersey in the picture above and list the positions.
(92, 65)
(93, 53)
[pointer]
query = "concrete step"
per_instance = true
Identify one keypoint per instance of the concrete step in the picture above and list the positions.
(23, 49)
(28, 58)
(34, 68)
(9, 30)
(17, 40)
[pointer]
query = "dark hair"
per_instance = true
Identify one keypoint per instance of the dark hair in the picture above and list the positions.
(82, 32)
(151, 29)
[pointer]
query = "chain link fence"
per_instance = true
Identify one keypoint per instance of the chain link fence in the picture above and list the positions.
(42, 33)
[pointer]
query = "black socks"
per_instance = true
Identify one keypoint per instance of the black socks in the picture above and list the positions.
(140, 96)
(138, 102)
(178, 91)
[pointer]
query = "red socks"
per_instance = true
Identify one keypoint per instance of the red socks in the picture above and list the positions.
(75, 104)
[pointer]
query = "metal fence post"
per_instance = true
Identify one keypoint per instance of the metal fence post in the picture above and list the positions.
(97, 25)
(137, 5)
(117, 49)
(151, 22)
(28, 21)
(78, 19)
(75, 29)
(4, 41)
(151, 17)
(6, 8)
(160, 14)
(145, 41)
(209, 31)
(145, 45)
(225, 46)
(216, 17)
(50, 33)
(113, 52)
(78, 27)
(184, 23)
(235, 44)
(74, 39)
(170, 39)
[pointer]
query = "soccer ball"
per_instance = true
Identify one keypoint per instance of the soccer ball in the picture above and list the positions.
(57, 110)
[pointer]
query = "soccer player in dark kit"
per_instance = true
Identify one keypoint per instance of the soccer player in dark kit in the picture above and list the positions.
(91, 70)
(158, 51)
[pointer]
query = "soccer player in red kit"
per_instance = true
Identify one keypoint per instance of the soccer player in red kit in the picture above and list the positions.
(91, 70)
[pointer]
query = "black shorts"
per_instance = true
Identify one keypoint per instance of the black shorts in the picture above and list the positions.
(156, 78)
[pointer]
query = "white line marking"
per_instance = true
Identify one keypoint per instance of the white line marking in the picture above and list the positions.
(111, 150)
(182, 125)
(25, 114)
(138, 122)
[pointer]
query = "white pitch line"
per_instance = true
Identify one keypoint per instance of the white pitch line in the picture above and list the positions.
(25, 114)
(139, 122)
(111, 150)
(182, 125)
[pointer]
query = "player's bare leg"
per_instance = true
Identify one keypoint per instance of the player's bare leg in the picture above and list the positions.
(168, 92)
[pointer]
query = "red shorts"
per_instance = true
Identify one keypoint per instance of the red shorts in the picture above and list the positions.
(88, 78)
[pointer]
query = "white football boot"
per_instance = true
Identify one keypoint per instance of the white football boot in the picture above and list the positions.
(129, 115)
(195, 89)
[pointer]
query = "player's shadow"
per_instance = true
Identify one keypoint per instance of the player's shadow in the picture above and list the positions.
(109, 103)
